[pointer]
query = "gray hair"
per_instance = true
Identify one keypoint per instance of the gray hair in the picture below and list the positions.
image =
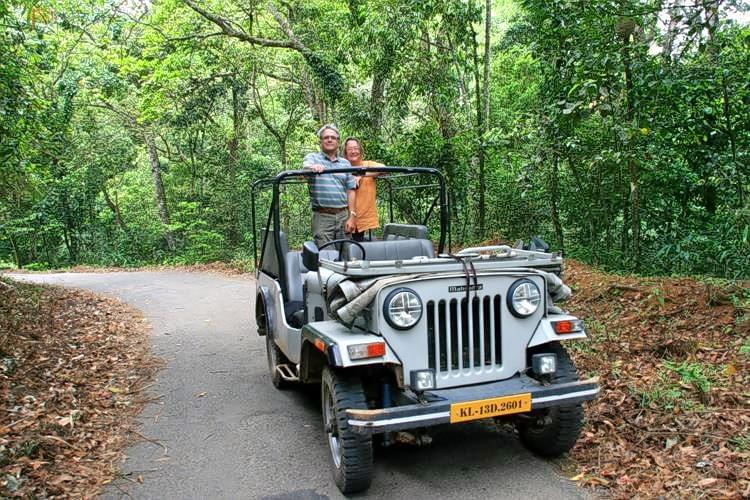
(330, 126)
(359, 145)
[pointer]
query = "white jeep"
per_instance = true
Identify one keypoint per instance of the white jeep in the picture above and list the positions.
(402, 337)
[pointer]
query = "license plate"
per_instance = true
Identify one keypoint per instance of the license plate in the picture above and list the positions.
(493, 407)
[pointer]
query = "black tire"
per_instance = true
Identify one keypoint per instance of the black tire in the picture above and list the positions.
(275, 358)
(553, 431)
(273, 353)
(351, 453)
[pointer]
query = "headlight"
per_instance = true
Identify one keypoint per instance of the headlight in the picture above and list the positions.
(524, 298)
(402, 308)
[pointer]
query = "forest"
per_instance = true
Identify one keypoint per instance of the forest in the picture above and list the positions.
(131, 131)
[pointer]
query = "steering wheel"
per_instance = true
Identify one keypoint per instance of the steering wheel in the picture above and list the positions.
(351, 242)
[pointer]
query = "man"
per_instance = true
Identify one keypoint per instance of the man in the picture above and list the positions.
(332, 196)
(367, 211)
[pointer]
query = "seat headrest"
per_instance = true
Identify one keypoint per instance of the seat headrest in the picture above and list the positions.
(392, 231)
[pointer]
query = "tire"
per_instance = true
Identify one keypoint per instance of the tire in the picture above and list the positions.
(275, 358)
(553, 431)
(351, 453)
(273, 353)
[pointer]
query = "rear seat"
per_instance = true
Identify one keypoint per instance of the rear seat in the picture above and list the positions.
(391, 250)
(393, 231)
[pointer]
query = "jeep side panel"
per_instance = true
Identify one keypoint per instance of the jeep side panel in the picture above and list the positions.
(287, 338)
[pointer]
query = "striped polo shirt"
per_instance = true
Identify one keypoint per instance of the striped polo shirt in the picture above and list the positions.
(329, 190)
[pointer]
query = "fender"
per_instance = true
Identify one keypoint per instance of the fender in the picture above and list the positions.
(333, 339)
(545, 333)
(263, 299)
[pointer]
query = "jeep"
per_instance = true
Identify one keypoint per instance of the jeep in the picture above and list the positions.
(403, 335)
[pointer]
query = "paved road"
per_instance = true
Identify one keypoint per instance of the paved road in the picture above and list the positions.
(229, 434)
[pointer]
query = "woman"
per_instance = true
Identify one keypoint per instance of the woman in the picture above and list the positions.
(367, 210)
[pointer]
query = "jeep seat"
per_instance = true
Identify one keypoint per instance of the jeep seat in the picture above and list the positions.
(392, 231)
(391, 250)
(295, 276)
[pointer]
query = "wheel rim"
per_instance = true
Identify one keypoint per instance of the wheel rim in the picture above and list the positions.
(331, 427)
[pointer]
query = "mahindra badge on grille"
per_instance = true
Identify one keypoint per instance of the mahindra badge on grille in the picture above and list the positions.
(462, 288)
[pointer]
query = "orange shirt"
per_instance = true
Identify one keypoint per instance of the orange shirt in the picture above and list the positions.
(367, 210)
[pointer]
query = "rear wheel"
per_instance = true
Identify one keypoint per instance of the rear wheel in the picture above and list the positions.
(275, 358)
(553, 431)
(351, 453)
(273, 353)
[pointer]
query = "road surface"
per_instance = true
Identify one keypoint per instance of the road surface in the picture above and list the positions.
(228, 433)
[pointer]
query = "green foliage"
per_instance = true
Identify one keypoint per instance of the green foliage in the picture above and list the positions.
(199, 243)
(666, 397)
(692, 374)
(615, 153)
(688, 390)
(36, 266)
(741, 443)
(745, 347)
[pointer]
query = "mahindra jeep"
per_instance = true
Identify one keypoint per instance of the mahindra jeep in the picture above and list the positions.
(402, 335)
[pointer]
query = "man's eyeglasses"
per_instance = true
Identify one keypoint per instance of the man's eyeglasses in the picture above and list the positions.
(330, 138)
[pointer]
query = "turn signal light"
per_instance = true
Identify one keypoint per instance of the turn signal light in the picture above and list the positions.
(567, 326)
(364, 351)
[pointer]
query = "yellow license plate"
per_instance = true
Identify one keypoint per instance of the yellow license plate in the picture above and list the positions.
(493, 407)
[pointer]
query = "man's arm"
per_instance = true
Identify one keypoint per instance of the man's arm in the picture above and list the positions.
(351, 222)
(311, 163)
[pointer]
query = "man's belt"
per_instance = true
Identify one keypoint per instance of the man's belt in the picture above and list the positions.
(329, 210)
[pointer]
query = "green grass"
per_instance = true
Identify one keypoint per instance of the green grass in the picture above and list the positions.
(745, 347)
(680, 385)
(694, 374)
(741, 443)
(665, 397)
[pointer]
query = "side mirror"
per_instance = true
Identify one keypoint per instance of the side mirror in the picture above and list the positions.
(310, 256)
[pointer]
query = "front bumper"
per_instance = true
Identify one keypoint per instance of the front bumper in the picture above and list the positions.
(436, 405)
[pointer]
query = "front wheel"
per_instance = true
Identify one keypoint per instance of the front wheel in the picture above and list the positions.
(553, 431)
(351, 453)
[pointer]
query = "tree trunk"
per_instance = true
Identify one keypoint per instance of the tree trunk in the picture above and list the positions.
(233, 146)
(16, 253)
(486, 111)
(69, 244)
(377, 104)
(671, 34)
(115, 209)
(633, 171)
(160, 197)
(554, 201)
(479, 231)
(740, 178)
(283, 153)
(46, 248)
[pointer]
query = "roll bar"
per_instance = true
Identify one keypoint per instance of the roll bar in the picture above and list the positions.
(300, 176)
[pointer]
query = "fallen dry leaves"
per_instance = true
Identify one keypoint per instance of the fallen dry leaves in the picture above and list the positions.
(234, 268)
(672, 420)
(673, 417)
(73, 368)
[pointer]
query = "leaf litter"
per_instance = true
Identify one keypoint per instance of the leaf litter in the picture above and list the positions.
(672, 355)
(673, 416)
(73, 370)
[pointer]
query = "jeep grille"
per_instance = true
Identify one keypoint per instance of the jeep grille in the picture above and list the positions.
(464, 338)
